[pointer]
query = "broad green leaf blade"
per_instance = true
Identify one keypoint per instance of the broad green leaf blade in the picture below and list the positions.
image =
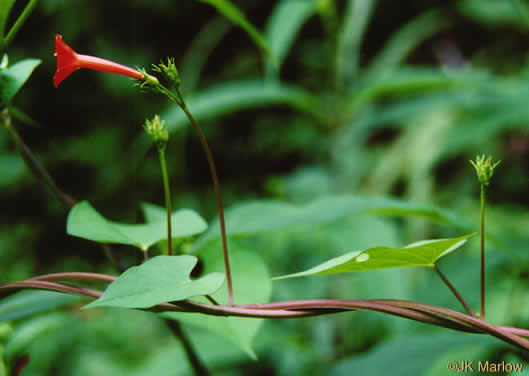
(283, 25)
(235, 15)
(237, 96)
(251, 284)
(423, 253)
(12, 79)
(159, 280)
(85, 222)
(29, 303)
(267, 215)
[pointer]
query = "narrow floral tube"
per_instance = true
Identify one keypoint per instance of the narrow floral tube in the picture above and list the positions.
(68, 61)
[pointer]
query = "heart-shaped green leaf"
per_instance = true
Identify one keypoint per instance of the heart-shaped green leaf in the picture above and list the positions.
(423, 253)
(159, 280)
(12, 79)
(85, 222)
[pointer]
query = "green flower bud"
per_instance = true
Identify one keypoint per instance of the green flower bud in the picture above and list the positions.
(484, 168)
(170, 72)
(156, 129)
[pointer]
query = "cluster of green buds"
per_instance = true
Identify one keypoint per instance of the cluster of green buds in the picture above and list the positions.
(169, 71)
(156, 129)
(484, 168)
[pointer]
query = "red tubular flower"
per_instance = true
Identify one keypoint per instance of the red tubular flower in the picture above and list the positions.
(69, 61)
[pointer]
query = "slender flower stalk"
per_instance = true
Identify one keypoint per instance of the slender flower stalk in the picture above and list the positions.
(482, 250)
(484, 170)
(167, 193)
(68, 61)
(156, 129)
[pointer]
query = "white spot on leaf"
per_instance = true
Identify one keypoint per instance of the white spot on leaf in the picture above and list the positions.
(363, 257)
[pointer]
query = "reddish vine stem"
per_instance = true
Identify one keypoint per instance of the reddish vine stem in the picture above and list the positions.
(496, 331)
(302, 308)
(76, 277)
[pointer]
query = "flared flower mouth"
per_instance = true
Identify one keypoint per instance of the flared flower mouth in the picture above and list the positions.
(68, 61)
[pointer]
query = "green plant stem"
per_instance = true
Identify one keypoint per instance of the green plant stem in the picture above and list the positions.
(454, 291)
(482, 247)
(167, 192)
(198, 367)
(19, 22)
(179, 100)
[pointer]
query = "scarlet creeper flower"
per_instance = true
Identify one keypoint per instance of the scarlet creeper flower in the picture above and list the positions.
(69, 61)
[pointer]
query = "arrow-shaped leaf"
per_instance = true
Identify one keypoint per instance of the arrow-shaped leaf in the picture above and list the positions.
(85, 222)
(161, 279)
(423, 253)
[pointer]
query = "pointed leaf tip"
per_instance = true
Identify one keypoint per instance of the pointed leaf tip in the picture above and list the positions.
(422, 253)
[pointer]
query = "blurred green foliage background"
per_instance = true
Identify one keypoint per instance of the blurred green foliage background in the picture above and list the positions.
(363, 97)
